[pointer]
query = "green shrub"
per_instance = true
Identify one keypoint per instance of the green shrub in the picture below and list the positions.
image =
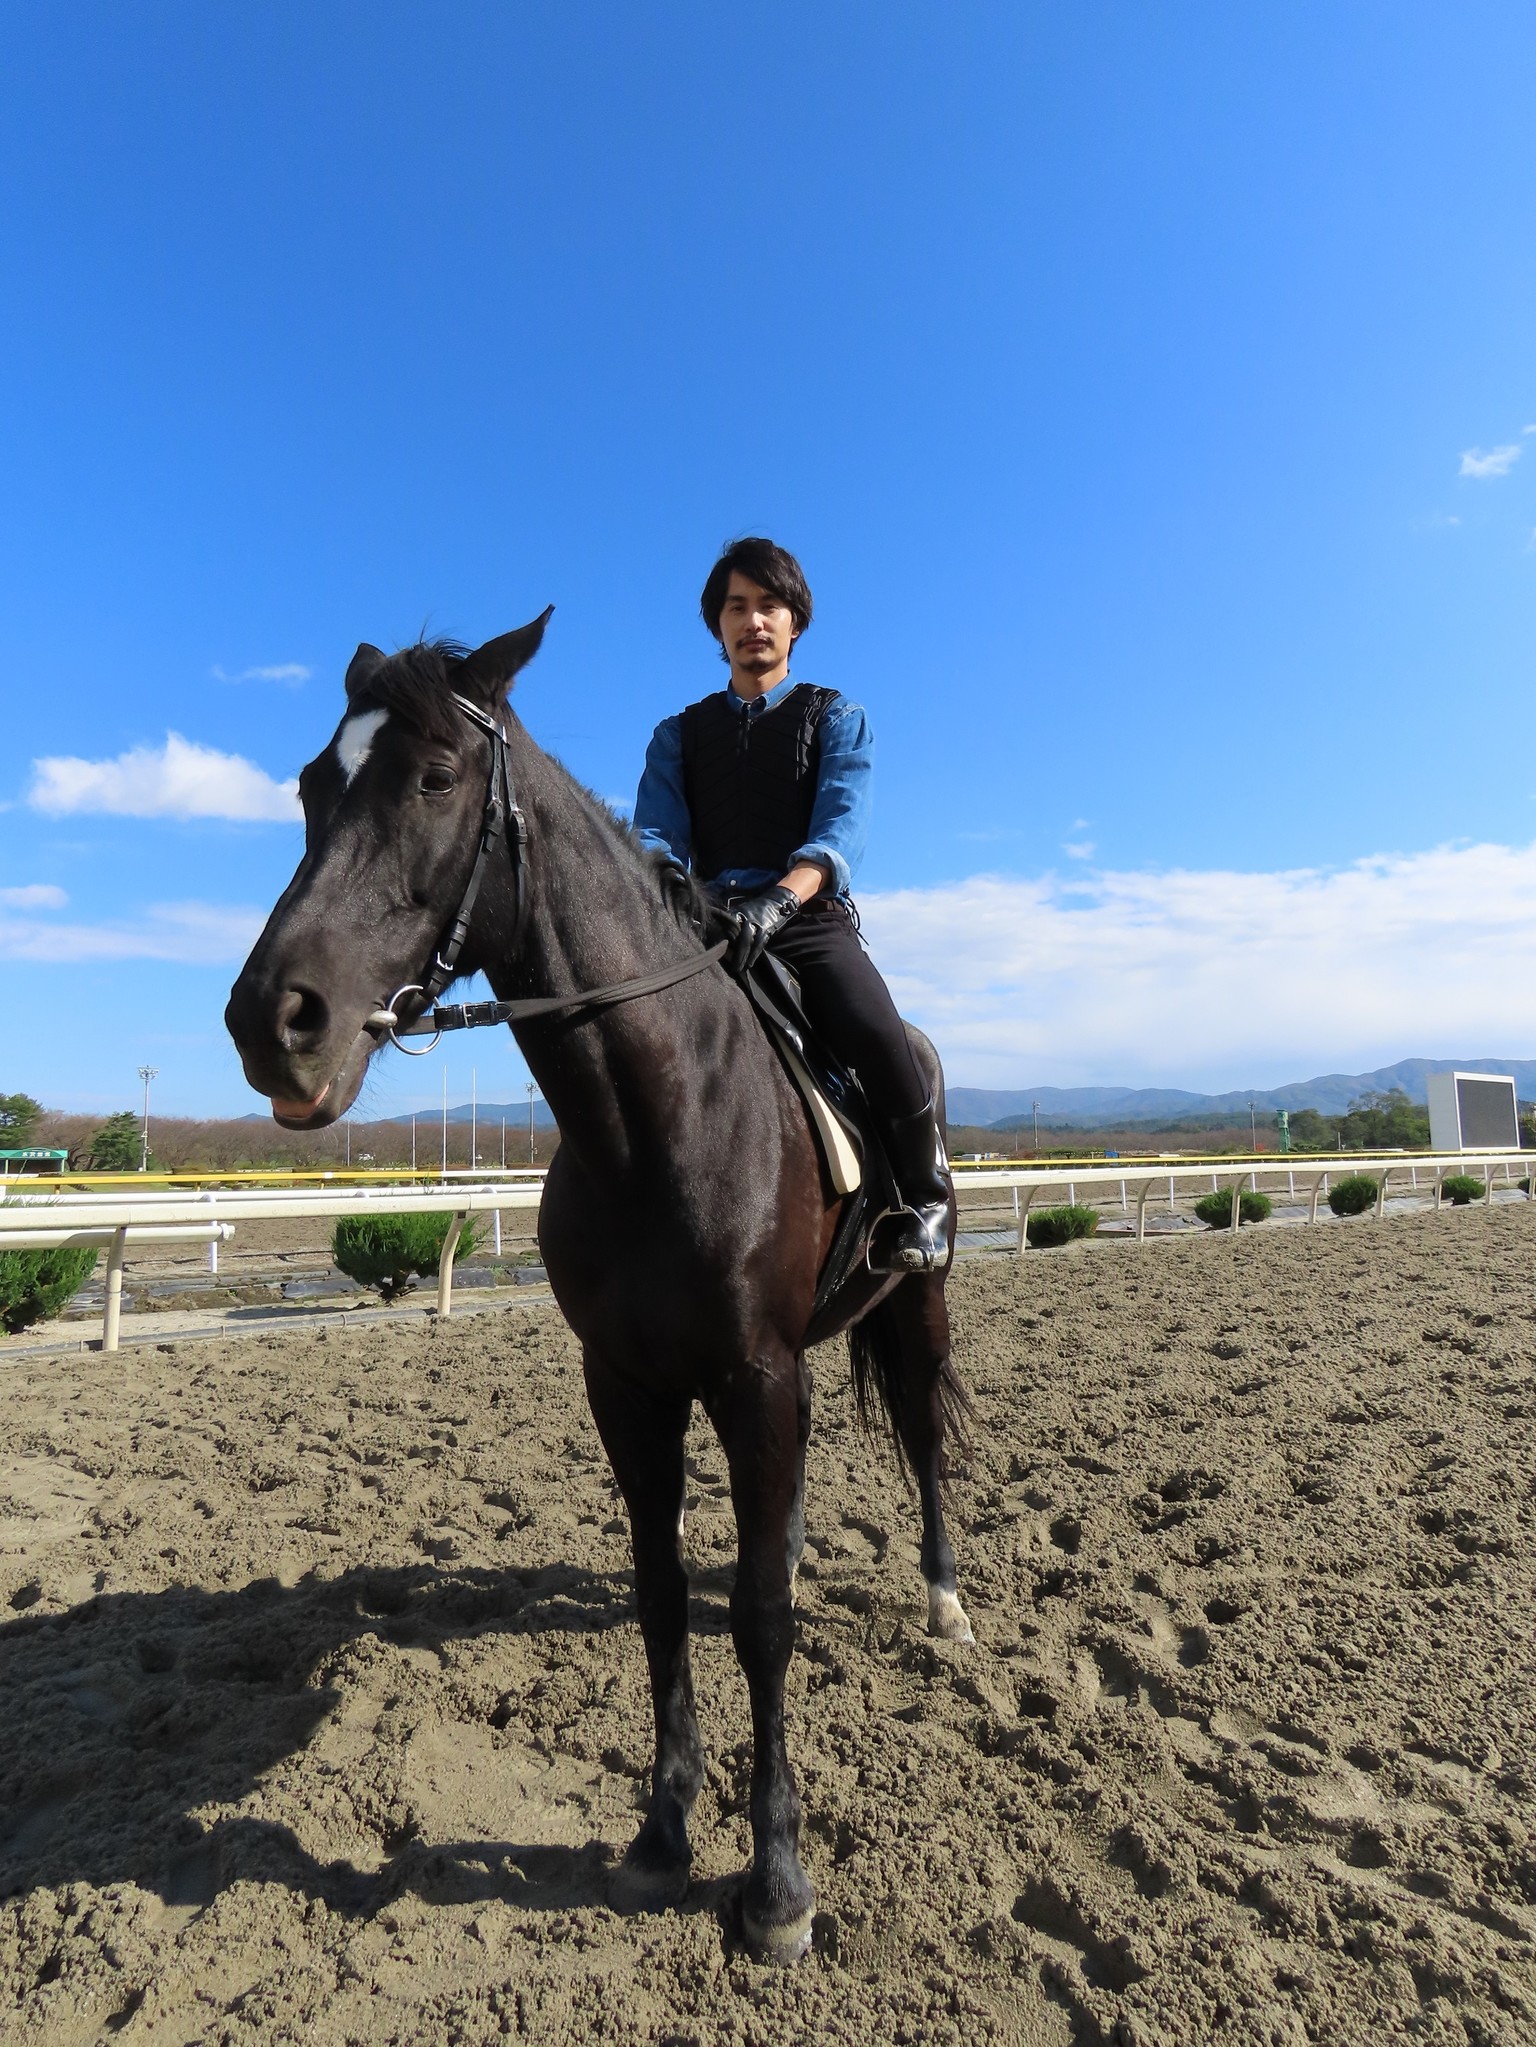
(1354, 1194)
(37, 1284)
(1215, 1210)
(1049, 1226)
(1462, 1188)
(391, 1251)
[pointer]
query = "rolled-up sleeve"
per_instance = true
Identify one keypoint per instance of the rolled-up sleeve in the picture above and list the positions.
(661, 809)
(840, 816)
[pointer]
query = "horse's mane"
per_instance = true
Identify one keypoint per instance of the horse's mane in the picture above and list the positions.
(417, 683)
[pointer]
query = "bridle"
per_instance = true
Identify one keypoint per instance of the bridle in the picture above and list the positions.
(502, 817)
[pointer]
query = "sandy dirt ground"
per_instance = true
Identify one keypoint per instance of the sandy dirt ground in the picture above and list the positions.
(323, 1714)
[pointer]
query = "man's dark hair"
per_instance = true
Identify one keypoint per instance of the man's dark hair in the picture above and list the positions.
(772, 568)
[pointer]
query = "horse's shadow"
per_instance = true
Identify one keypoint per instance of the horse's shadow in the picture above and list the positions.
(123, 1717)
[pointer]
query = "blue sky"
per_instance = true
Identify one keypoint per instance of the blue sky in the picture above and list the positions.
(1146, 392)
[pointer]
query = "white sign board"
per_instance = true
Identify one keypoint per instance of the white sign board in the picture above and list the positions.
(1473, 1112)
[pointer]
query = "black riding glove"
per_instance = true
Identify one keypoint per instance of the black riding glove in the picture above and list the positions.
(758, 919)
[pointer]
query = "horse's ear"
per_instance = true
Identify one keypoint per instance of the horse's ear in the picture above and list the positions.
(363, 667)
(490, 670)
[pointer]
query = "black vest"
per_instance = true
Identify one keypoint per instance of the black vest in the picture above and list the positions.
(750, 783)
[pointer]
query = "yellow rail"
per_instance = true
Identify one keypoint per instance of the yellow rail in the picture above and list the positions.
(251, 1176)
(389, 1176)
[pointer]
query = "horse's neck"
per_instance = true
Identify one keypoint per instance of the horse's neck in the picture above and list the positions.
(594, 916)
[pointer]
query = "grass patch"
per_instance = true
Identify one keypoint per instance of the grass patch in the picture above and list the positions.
(1048, 1227)
(1354, 1194)
(1215, 1210)
(37, 1284)
(391, 1252)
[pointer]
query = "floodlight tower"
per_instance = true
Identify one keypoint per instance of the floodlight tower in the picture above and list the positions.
(146, 1074)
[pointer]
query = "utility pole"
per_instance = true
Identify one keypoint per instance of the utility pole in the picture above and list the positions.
(347, 1126)
(474, 1111)
(146, 1074)
(530, 1123)
(1253, 1126)
(503, 1147)
(413, 1140)
(445, 1120)
(1035, 1111)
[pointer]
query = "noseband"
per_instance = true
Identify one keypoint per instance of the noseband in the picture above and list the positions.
(502, 816)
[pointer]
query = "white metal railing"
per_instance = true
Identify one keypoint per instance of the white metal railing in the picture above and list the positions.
(39, 1221)
(115, 1237)
(1144, 1179)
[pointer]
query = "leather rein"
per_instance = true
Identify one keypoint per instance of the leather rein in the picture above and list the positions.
(502, 817)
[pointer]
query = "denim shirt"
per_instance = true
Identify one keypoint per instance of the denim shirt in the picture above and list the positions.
(839, 826)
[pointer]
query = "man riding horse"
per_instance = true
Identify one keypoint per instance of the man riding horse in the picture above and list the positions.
(763, 790)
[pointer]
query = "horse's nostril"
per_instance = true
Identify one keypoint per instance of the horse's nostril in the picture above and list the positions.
(302, 1016)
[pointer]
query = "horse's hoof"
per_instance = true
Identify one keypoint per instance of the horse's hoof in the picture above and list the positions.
(947, 1617)
(636, 1887)
(784, 1945)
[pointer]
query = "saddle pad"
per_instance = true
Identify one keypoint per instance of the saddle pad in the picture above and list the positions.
(844, 1167)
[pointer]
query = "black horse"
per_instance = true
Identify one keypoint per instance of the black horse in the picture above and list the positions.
(685, 1215)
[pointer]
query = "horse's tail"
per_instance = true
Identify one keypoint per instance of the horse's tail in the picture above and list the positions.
(888, 1370)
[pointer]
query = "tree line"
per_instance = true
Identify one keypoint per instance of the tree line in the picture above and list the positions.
(180, 1144)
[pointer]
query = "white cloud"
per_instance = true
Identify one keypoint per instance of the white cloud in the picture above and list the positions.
(180, 779)
(1078, 849)
(291, 672)
(1485, 462)
(197, 934)
(1216, 979)
(35, 895)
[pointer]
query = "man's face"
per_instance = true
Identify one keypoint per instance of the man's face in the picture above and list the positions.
(756, 629)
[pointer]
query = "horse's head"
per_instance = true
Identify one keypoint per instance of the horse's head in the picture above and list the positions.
(392, 812)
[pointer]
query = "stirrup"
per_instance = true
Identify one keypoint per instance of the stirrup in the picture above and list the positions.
(919, 1241)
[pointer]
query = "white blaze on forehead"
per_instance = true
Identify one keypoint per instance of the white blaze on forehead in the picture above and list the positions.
(354, 742)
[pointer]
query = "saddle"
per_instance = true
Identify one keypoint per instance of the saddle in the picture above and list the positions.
(845, 1130)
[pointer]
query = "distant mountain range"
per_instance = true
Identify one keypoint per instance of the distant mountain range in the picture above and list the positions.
(1330, 1094)
(986, 1108)
(487, 1114)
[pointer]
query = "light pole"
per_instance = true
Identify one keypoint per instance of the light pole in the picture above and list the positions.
(474, 1113)
(1253, 1126)
(530, 1122)
(413, 1140)
(146, 1074)
(1035, 1112)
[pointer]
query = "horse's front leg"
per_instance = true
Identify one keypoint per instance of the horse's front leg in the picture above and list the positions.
(644, 1440)
(763, 1421)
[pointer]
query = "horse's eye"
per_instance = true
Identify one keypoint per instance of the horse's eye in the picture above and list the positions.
(438, 781)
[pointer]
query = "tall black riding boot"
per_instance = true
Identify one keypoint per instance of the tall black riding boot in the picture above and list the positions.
(916, 1237)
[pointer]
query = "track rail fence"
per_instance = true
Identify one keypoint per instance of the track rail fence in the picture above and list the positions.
(118, 1220)
(1140, 1183)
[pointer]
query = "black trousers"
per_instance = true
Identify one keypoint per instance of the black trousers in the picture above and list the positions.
(850, 1006)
